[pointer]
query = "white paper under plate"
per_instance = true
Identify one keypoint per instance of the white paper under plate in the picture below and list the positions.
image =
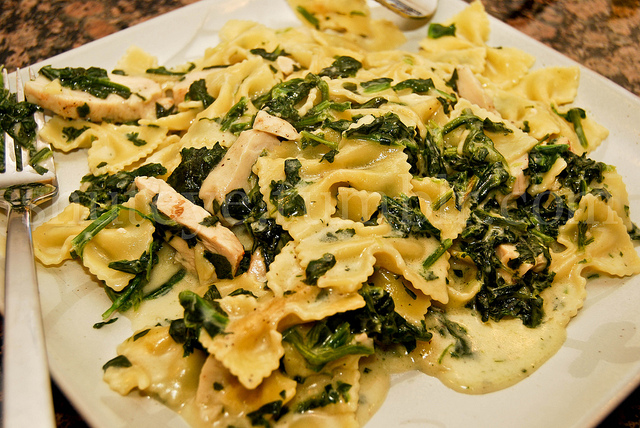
(595, 369)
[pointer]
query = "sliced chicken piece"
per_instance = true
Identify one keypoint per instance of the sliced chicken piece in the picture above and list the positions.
(508, 252)
(274, 125)
(470, 88)
(257, 266)
(521, 182)
(66, 102)
(541, 263)
(217, 238)
(538, 266)
(286, 65)
(234, 170)
(184, 254)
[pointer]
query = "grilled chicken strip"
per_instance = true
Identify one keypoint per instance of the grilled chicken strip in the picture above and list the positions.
(217, 238)
(77, 104)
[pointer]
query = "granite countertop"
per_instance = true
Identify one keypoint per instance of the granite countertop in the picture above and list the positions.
(603, 35)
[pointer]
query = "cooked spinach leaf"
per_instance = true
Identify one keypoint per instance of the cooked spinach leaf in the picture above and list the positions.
(439, 252)
(284, 194)
(438, 30)
(507, 292)
(166, 286)
(321, 345)
(404, 215)
(313, 139)
(379, 320)
(235, 112)
(71, 133)
(320, 114)
(269, 237)
(342, 67)
(164, 71)
(38, 157)
(105, 190)
(316, 268)
(134, 137)
(88, 233)
(426, 156)
(119, 361)
(17, 120)
(286, 198)
(575, 116)
(581, 174)
(274, 410)
(237, 205)
(269, 56)
(282, 99)
(223, 268)
(419, 86)
(195, 166)
(376, 85)
(164, 111)
(132, 295)
(541, 159)
(198, 92)
(93, 80)
(374, 102)
(386, 130)
(475, 171)
(201, 313)
(310, 17)
(99, 325)
(329, 395)
(187, 337)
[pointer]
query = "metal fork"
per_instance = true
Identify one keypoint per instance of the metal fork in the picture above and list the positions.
(27, 400)
(413, 9)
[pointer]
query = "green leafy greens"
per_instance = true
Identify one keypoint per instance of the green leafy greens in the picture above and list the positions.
(93, 80)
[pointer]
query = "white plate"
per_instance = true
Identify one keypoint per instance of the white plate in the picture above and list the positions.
(595, 369)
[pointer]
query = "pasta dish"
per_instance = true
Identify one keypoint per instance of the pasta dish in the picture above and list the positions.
(303, 211)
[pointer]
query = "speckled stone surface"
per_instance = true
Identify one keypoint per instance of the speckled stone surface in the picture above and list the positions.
(33, 30)
(603, 35)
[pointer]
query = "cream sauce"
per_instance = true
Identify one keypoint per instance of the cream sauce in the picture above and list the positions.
(502, 353)
(166, 307)
(500, 356)
(375, 380)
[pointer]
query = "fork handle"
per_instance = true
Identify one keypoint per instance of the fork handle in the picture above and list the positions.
(27, 400)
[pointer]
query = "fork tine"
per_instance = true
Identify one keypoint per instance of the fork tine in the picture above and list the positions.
(40, 145)
(19, 86)
(5, 137)
(11, 148)
(17, 149)
(39, 115)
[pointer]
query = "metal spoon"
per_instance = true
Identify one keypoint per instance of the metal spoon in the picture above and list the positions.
(413, 9)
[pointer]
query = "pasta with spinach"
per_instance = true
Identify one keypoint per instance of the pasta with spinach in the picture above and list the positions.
(299, 208)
